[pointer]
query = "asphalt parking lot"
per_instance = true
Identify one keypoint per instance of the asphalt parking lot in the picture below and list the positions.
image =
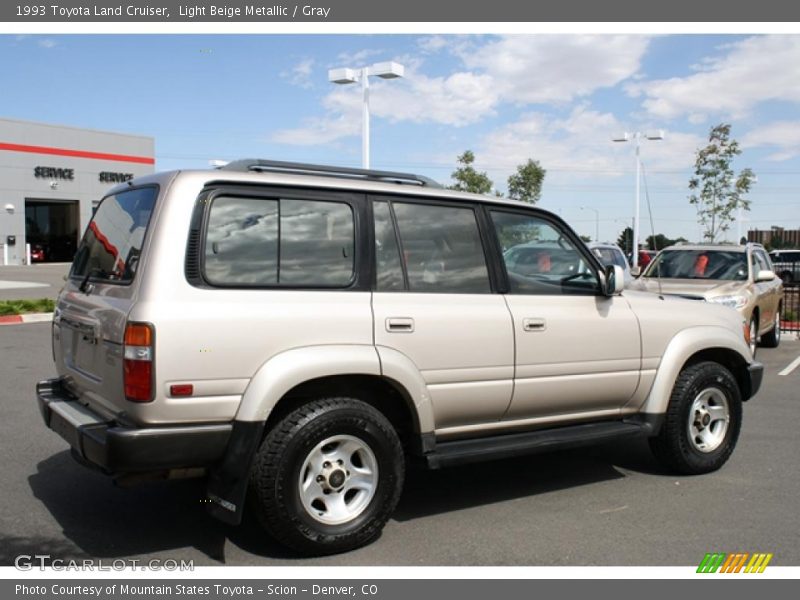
(610, 505)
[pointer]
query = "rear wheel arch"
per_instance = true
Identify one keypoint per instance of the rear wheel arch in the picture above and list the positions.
(386, 396)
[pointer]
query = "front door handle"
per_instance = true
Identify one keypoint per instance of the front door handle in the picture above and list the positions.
(400, 325)
(534, 324)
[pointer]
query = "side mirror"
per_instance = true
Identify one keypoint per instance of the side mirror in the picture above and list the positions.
(615, 280)
(765, 275)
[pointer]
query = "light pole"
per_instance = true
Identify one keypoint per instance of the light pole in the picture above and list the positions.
(596, 222)
(384, 70)
(637, 137)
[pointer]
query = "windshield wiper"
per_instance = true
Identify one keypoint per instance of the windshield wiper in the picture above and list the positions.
(96, 272)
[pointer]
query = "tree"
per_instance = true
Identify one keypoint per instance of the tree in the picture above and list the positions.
(467, 179)
(717, 191)
(660, 241)
(586, 238)
(625, 241)
(526, 183)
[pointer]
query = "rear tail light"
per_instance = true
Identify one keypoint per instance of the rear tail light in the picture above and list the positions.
(138, 362)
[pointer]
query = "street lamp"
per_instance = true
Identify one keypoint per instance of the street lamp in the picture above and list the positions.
(637, 136)
(384, 70)
(596, 222)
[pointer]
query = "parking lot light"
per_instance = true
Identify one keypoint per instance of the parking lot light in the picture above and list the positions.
(346, 75)
(637, 137)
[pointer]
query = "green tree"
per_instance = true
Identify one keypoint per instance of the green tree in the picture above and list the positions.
(586, 238)
(467, 179)
(660, 241)
(625, 241)
(717, 192)
(526, 183)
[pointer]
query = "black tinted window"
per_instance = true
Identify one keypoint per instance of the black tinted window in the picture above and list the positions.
(265, 241)
(111, 246)
(442, 249)
(389, 270)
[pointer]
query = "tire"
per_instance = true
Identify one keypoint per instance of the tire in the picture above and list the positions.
(688, 443)
(772, 338)
(345, 504)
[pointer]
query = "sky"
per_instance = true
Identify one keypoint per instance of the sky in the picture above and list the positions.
(558, 99)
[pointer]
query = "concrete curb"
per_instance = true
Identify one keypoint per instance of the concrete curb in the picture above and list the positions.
(29, 318)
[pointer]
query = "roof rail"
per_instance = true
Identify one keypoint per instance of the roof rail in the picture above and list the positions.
(278, 166)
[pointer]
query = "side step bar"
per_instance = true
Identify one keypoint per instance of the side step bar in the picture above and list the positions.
(457, 452)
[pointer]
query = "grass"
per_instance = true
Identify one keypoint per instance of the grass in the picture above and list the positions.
(18, 307)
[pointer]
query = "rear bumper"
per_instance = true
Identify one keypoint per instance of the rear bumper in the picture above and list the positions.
(117, 449)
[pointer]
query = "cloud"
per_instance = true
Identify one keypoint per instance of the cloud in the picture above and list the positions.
(358, 58)
(300, 74)
(47, 43)
(457, 100)
(782, 136)
(579, 146)
(317, 131)
(754, 70)
(556, 68)
(513, 69)
(432, 43)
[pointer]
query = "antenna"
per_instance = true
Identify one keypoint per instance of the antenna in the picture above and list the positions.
(652, 230)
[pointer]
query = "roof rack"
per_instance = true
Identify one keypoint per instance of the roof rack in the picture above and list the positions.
(278, 166)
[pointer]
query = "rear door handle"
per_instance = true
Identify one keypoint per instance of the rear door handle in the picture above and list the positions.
(534, 324)
(400, 325)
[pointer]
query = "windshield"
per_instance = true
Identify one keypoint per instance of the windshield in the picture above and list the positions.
(699, 264)
(110, 248)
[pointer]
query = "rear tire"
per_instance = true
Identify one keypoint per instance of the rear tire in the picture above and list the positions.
(703, 420)
(772, 338)
(328, 476)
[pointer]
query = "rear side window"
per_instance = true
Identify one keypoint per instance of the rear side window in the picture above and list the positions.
(258, 242)
(110, 248)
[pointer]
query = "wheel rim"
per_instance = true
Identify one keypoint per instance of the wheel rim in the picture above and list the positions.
(753, 336)
(338, 479)
(709, 418)
(778, 325)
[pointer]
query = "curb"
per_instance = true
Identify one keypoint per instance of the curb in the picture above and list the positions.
(29, 318)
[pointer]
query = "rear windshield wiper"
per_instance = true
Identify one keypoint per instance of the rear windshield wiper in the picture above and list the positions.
(96, 272)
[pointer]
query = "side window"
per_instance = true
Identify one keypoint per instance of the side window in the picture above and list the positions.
(255, 242)
(389, 269)
(441, 248)
(539, 258)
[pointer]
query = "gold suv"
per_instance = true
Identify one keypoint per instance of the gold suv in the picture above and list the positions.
(740, 277)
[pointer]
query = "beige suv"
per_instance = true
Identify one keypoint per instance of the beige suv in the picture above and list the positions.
(741, 277)
(297, 333)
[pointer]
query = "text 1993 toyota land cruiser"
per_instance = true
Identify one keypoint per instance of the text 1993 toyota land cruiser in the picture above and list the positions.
(297, 333)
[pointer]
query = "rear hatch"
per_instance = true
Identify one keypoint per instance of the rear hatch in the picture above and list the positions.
(89, 322)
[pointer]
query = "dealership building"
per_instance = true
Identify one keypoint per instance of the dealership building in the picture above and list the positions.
(51, 178)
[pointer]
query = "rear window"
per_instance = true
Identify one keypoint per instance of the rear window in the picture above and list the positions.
(265, 242)
(110, 248)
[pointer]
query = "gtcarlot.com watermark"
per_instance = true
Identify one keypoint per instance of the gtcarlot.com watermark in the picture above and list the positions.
(29, 562)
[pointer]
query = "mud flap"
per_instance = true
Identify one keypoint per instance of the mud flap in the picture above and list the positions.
(227, 482)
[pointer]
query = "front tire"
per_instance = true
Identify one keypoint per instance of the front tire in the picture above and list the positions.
(703, 420)
(328, 476)
(772, 338)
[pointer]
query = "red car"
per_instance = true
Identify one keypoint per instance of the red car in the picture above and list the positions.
(37, 253)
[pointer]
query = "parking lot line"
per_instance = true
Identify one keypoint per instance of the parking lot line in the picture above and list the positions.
(795, 363)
